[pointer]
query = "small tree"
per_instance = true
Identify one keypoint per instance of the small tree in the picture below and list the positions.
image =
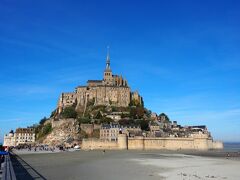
(42, 121)
(106, 120)
(143, 124)
(84, 120)
(53, 113)
(142, 102)
(69, 112)
(43, 130)
(165, 117)
(47, 129)
(133, 112)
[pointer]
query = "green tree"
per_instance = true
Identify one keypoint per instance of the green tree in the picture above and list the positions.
(53, 113)
(43, 130)
(123, 122)
(133, 113)
(69, 112)
(127, 122)
(42, 121)
(84, 120)
(142, 102)
(166, 117)
(47, 129)
(106, 120)
(143, 124)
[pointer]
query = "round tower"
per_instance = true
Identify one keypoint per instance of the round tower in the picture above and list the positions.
(122, 141)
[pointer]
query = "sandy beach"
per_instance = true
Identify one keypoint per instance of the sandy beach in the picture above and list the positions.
(119, 165)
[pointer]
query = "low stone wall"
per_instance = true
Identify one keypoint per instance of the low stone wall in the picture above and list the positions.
(167, 143)
(98, 144)
(146, 143)
(136, 143)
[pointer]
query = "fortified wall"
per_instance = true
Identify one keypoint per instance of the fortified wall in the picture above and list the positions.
(147, 143)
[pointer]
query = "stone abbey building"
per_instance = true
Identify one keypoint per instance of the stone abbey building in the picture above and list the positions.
(111, 90)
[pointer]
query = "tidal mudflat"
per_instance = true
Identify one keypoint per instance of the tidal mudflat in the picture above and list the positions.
(119, 165)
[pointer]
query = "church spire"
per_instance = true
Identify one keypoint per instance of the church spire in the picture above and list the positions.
(108, 60)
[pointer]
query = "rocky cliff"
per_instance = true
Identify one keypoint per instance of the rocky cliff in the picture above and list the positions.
(65, 132)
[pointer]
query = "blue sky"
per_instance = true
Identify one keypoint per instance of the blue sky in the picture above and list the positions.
(182, 56)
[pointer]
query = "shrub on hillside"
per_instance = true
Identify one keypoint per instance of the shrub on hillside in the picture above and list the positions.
(42, 121)
(43, 130)
(144, 124)
(84, 120)
(69, 112)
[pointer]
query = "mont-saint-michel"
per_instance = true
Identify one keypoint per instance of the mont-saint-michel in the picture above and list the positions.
(164, 104)
(113, 90)
(106, 114)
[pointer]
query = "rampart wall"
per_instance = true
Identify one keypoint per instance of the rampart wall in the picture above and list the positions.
(92, 143)
(146, 143)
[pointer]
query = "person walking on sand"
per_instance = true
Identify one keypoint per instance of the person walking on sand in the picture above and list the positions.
(104, 151)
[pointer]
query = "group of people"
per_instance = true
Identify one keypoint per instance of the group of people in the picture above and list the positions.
(25, 148)
(35, 148)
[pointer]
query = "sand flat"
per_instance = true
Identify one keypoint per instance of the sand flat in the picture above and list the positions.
(136, 165)
(181, 166)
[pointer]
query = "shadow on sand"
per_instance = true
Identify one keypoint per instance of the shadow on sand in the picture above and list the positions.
(23, 170)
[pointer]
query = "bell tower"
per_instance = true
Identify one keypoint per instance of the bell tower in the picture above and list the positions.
(107, 78)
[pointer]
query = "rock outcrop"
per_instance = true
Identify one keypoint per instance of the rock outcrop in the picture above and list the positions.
(65, 132)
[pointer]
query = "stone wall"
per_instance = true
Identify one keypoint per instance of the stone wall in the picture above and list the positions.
(202, 143)
(118, 96)
(160, 143)
(217, 145)
(146, 143)
(91, 143)
(61, 121)
(136, 143)
(102, 95)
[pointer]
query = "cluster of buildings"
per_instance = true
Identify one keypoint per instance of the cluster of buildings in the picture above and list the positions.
(113, 90)
(111, 131)
(161, 126)
(20, 136)
(160, 133)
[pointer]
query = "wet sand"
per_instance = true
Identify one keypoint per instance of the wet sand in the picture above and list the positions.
(136, 165)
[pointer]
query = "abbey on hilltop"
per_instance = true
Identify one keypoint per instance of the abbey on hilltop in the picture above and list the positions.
(111, 90)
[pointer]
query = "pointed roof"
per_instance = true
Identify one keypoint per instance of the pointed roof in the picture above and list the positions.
(108, 60)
